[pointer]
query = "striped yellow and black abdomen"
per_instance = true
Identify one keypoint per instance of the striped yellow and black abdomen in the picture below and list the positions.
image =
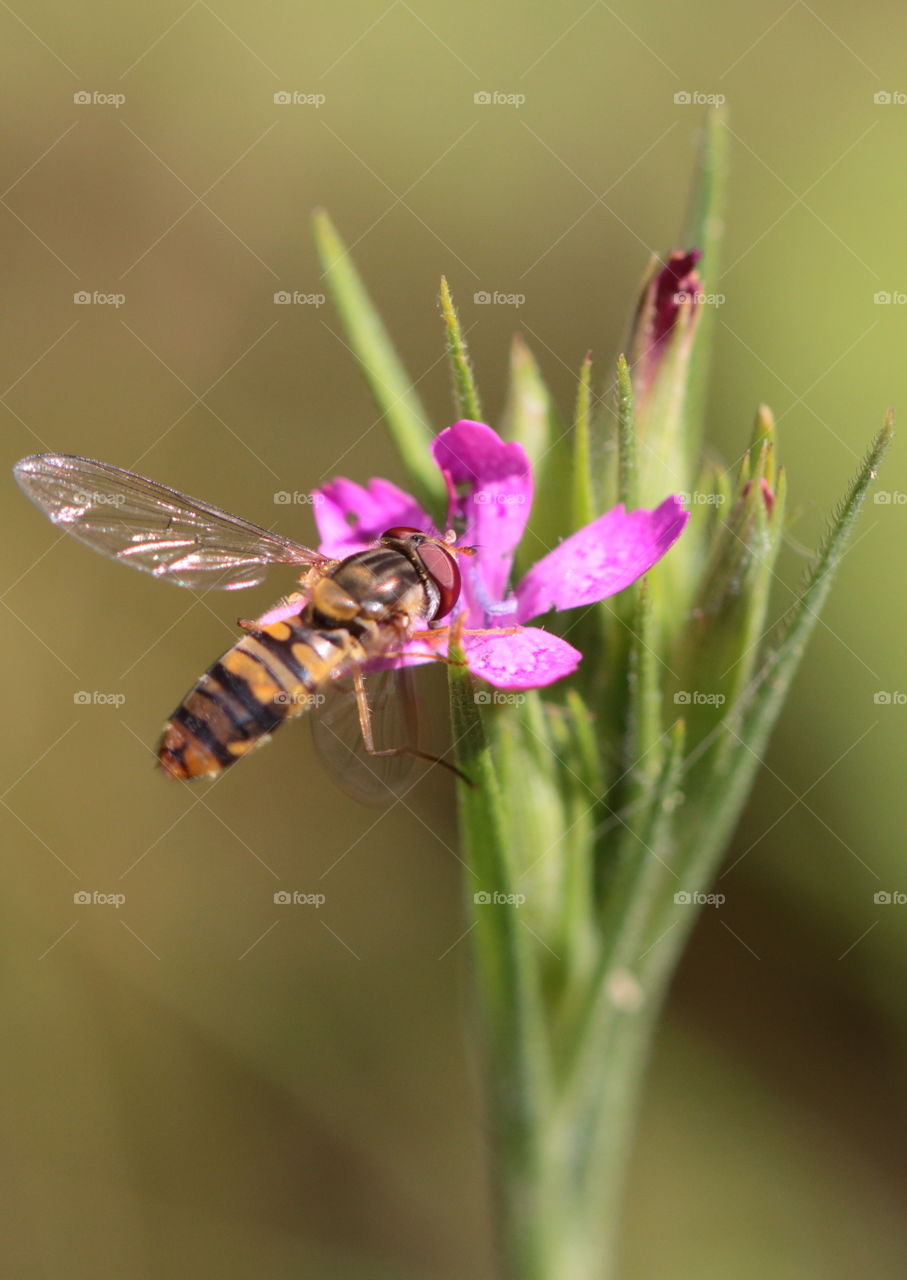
(267, 677)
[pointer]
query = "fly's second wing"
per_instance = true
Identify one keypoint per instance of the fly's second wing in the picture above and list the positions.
(337, 734)
(151, 527)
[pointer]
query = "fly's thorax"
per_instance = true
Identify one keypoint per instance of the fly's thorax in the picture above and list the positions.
(377, 585)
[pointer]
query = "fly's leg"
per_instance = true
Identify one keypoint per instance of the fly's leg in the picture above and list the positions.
(465, 631)
(430, 657)
(365, 725)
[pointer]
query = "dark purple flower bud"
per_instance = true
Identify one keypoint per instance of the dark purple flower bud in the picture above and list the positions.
(666, 311)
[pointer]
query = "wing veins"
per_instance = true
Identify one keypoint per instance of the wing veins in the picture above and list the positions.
(145, 524)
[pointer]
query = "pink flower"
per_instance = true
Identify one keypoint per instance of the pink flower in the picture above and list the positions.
(490, 488)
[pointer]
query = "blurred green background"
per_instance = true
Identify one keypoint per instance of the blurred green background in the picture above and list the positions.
(200, 1081)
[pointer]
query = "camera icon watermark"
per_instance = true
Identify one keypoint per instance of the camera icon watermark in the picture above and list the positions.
(889, 98)
(82, 898)
(296, 298)
(495, 298)
(494, 98)
(889, 298)
(97, 498)
(498, 698)
(698, 298)
(293, 98)
(889, 498)
(889, 698)
(294, 898)
(84, 98)
(484, 898)
(694, 898)
(693, 98)
(95, 698)
(85, 299)
(297, 498)
(304, 701)
(698, 698)
(884, 898)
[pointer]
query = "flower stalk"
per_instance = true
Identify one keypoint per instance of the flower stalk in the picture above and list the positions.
(614, 682)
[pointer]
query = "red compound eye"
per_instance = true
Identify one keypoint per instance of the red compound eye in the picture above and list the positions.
(441, 566)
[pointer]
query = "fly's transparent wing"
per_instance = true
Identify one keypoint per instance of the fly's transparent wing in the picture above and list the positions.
(151, 527)
(336, 732)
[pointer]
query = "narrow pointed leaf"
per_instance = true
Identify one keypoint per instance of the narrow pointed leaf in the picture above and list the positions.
(760, 714)
(404, 414)
(529, 413)
(705, 230)
(720, 796)
(583, 499)
(466, 393)
(718, 650)
(643, 740)
(530, 417)
(626, 438)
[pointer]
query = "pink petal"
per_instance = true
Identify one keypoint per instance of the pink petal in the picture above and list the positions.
(600, 559)
(491, 484)
(350, 517)
(528, 659)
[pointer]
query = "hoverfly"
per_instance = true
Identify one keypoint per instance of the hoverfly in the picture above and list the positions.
(310, 651)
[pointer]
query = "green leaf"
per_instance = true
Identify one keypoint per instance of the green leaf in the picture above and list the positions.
(718, 649)
(627, 624)
(529, 412)
(717, 795)
(531, 419)
(626, 438)
(633, 900)
(758, 715)
(704, 225)
(705, 230)
(584, 510)
(404, 414)
(523, 746)
(643, 736)
(466, 394)
(714, 796)
(549, 825)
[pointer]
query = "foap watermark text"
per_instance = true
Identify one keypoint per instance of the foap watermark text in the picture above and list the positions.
(84, 898)
(698, 698)
(295, 898)
(96, 698)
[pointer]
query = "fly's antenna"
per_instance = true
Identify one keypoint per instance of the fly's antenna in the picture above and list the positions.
(450, 538)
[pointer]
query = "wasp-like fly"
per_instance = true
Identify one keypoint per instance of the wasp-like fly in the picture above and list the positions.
(343, 616)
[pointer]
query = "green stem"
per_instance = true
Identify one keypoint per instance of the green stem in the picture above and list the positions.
(507, 988)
